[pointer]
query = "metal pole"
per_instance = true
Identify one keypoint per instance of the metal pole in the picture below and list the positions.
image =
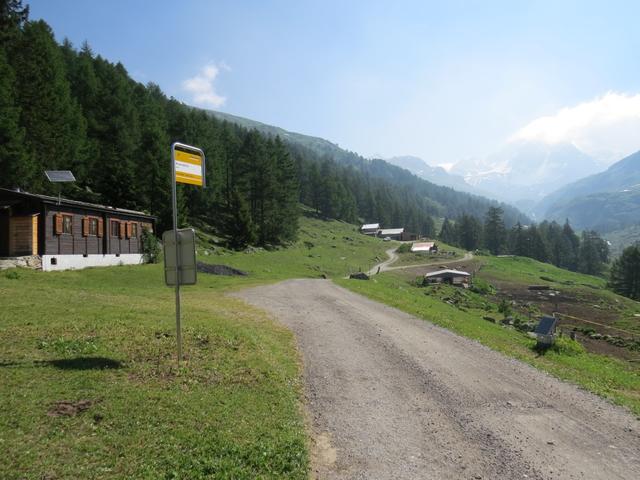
(178, 260)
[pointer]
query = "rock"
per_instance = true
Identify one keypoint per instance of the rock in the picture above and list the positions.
(489, 319)
(30, 261)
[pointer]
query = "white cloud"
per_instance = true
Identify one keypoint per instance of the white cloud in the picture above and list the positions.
(202, 87)
(605, 128)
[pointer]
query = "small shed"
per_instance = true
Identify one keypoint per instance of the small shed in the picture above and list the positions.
(451, 277)
(370, 229)
(427, 247)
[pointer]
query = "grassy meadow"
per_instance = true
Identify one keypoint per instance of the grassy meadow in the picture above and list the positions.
(90, 386)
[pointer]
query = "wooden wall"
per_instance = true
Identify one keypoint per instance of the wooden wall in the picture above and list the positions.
(4, 233)
(78, 244)
(23, 235)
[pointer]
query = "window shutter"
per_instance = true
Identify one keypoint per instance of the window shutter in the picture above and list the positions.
(100, 228)
(129, 229)
(85, 226)
(58, 223)
(121, 231)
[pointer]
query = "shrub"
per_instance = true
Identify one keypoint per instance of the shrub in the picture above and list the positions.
(12, 274)
(482, 287)
(566, 346)
(404, 248)
(150, 247)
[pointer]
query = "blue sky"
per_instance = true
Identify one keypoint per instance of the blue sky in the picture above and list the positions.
(439, 80)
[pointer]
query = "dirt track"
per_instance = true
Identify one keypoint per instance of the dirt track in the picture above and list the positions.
(393, 397)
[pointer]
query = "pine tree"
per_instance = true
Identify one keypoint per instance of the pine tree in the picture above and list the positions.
(448, 233)
(625, 273)
(593, 253)
(12, 16)
(469, 232)
(15, 164)
(54, 126)
(239, 226)
(494, 230)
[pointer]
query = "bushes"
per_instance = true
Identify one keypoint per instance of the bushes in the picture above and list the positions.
(150, 247)
(404, 248)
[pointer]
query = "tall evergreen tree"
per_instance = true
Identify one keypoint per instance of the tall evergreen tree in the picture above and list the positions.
(469, 232)
(15, 164)
(625, 273)
(593, 253)
(54, 126)
(494, 230)
(448, 233)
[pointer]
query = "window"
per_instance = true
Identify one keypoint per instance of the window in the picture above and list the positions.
(115, 228)
(67, 224)
(93, 227)
(134, 229)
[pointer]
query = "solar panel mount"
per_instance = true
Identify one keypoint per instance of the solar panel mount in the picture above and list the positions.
(60, 176)
(546, 326)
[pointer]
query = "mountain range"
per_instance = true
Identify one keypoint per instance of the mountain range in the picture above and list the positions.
(606, 202)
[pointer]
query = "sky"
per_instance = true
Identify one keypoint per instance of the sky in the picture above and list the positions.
(443, 81)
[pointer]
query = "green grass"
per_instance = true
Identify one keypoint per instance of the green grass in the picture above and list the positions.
(107, 336)
(406, 257)
(611, 378)
(330, 248)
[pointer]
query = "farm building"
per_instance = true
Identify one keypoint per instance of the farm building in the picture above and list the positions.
(69, 234)
(370, 228)
(392, 233)
(427, 247)
(397, 234)
(452, 277)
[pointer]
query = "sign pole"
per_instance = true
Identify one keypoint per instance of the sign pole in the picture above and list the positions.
(187, 166)
(174, 194)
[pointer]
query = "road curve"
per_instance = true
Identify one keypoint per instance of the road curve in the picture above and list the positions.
(393, 397)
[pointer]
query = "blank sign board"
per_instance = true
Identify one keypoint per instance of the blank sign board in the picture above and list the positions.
(185, 270)
(58, 176)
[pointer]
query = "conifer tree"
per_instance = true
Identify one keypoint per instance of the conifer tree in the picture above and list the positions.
(54, 126)
(239, 226)
(494, 230)
(448, 233)
(625, 273)
(15, 164)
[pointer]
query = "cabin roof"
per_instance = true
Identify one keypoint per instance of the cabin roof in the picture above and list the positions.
(391, 231)
(422, 246)
(447, 273)
(370, 226)
(4, 192)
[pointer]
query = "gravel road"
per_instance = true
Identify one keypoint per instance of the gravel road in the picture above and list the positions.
(390, 396)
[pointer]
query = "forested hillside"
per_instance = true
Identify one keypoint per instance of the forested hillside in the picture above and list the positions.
(546, 242)
(67, 108)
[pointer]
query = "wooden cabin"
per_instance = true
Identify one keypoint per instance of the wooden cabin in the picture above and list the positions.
(68, 233)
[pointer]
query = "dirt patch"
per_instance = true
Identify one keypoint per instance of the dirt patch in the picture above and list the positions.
(219, 270)
(576, 309)
(65, 408)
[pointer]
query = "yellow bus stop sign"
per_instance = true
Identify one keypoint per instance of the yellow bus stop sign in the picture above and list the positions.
(189, 165)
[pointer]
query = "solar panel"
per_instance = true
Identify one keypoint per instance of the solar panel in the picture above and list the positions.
(58, 176)
(546, 326)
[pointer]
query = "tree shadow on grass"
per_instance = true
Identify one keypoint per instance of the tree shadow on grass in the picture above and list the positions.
(85, 363)
(77, 363)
